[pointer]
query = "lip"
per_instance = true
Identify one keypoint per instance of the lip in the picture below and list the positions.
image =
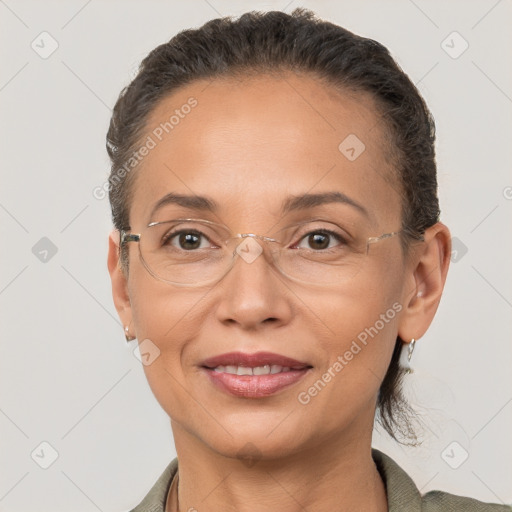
(256, 359)
(254, 386)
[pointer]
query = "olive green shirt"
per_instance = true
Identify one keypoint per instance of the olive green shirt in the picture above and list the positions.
(402, 493)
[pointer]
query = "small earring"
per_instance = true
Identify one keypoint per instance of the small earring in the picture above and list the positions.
(412, 344)
(411, 349)
(128, 336)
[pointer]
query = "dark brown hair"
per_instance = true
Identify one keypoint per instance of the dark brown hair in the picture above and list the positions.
(274, 41)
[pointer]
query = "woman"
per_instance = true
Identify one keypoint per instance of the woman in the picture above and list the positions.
(277, 245)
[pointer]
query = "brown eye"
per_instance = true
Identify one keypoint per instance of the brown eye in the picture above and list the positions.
(189, 241)
(186, 240)
(320, 240)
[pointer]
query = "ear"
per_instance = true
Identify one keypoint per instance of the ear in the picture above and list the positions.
(428, 266)
(119, 281)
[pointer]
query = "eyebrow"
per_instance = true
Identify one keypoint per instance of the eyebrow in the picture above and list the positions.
(292, 203)
(191, 202)
(310, 200)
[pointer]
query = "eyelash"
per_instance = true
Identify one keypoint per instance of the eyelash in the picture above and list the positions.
(333, 234)
(168, 237)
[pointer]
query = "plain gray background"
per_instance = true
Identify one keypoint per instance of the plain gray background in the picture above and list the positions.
(68, 378)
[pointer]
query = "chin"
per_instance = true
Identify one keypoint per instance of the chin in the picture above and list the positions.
(251, 450)
(255, 441)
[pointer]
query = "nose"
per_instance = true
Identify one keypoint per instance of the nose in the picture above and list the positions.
(253, 294)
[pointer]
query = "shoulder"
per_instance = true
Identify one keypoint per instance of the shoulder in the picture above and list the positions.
(438, 501)
(156, 498)
(403, 495)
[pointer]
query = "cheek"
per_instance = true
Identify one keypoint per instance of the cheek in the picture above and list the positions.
(362, 325)
(362, 329)
(346, 388)
(165, 319)
(370, 298)
(162, 312)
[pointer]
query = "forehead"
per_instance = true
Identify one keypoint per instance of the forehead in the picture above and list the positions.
(249, 142)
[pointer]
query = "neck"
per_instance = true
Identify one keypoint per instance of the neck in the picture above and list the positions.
(336, 476)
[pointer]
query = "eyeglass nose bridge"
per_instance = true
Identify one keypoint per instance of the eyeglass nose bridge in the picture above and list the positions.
(252, 235)
(251, 256)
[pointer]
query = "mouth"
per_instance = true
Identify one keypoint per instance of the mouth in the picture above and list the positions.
(254, 375)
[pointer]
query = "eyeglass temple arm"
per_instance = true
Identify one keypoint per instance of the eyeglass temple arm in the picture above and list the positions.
(374, 239)
(129, 237)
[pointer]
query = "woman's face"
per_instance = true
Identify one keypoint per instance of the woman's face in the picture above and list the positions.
(250, 146)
